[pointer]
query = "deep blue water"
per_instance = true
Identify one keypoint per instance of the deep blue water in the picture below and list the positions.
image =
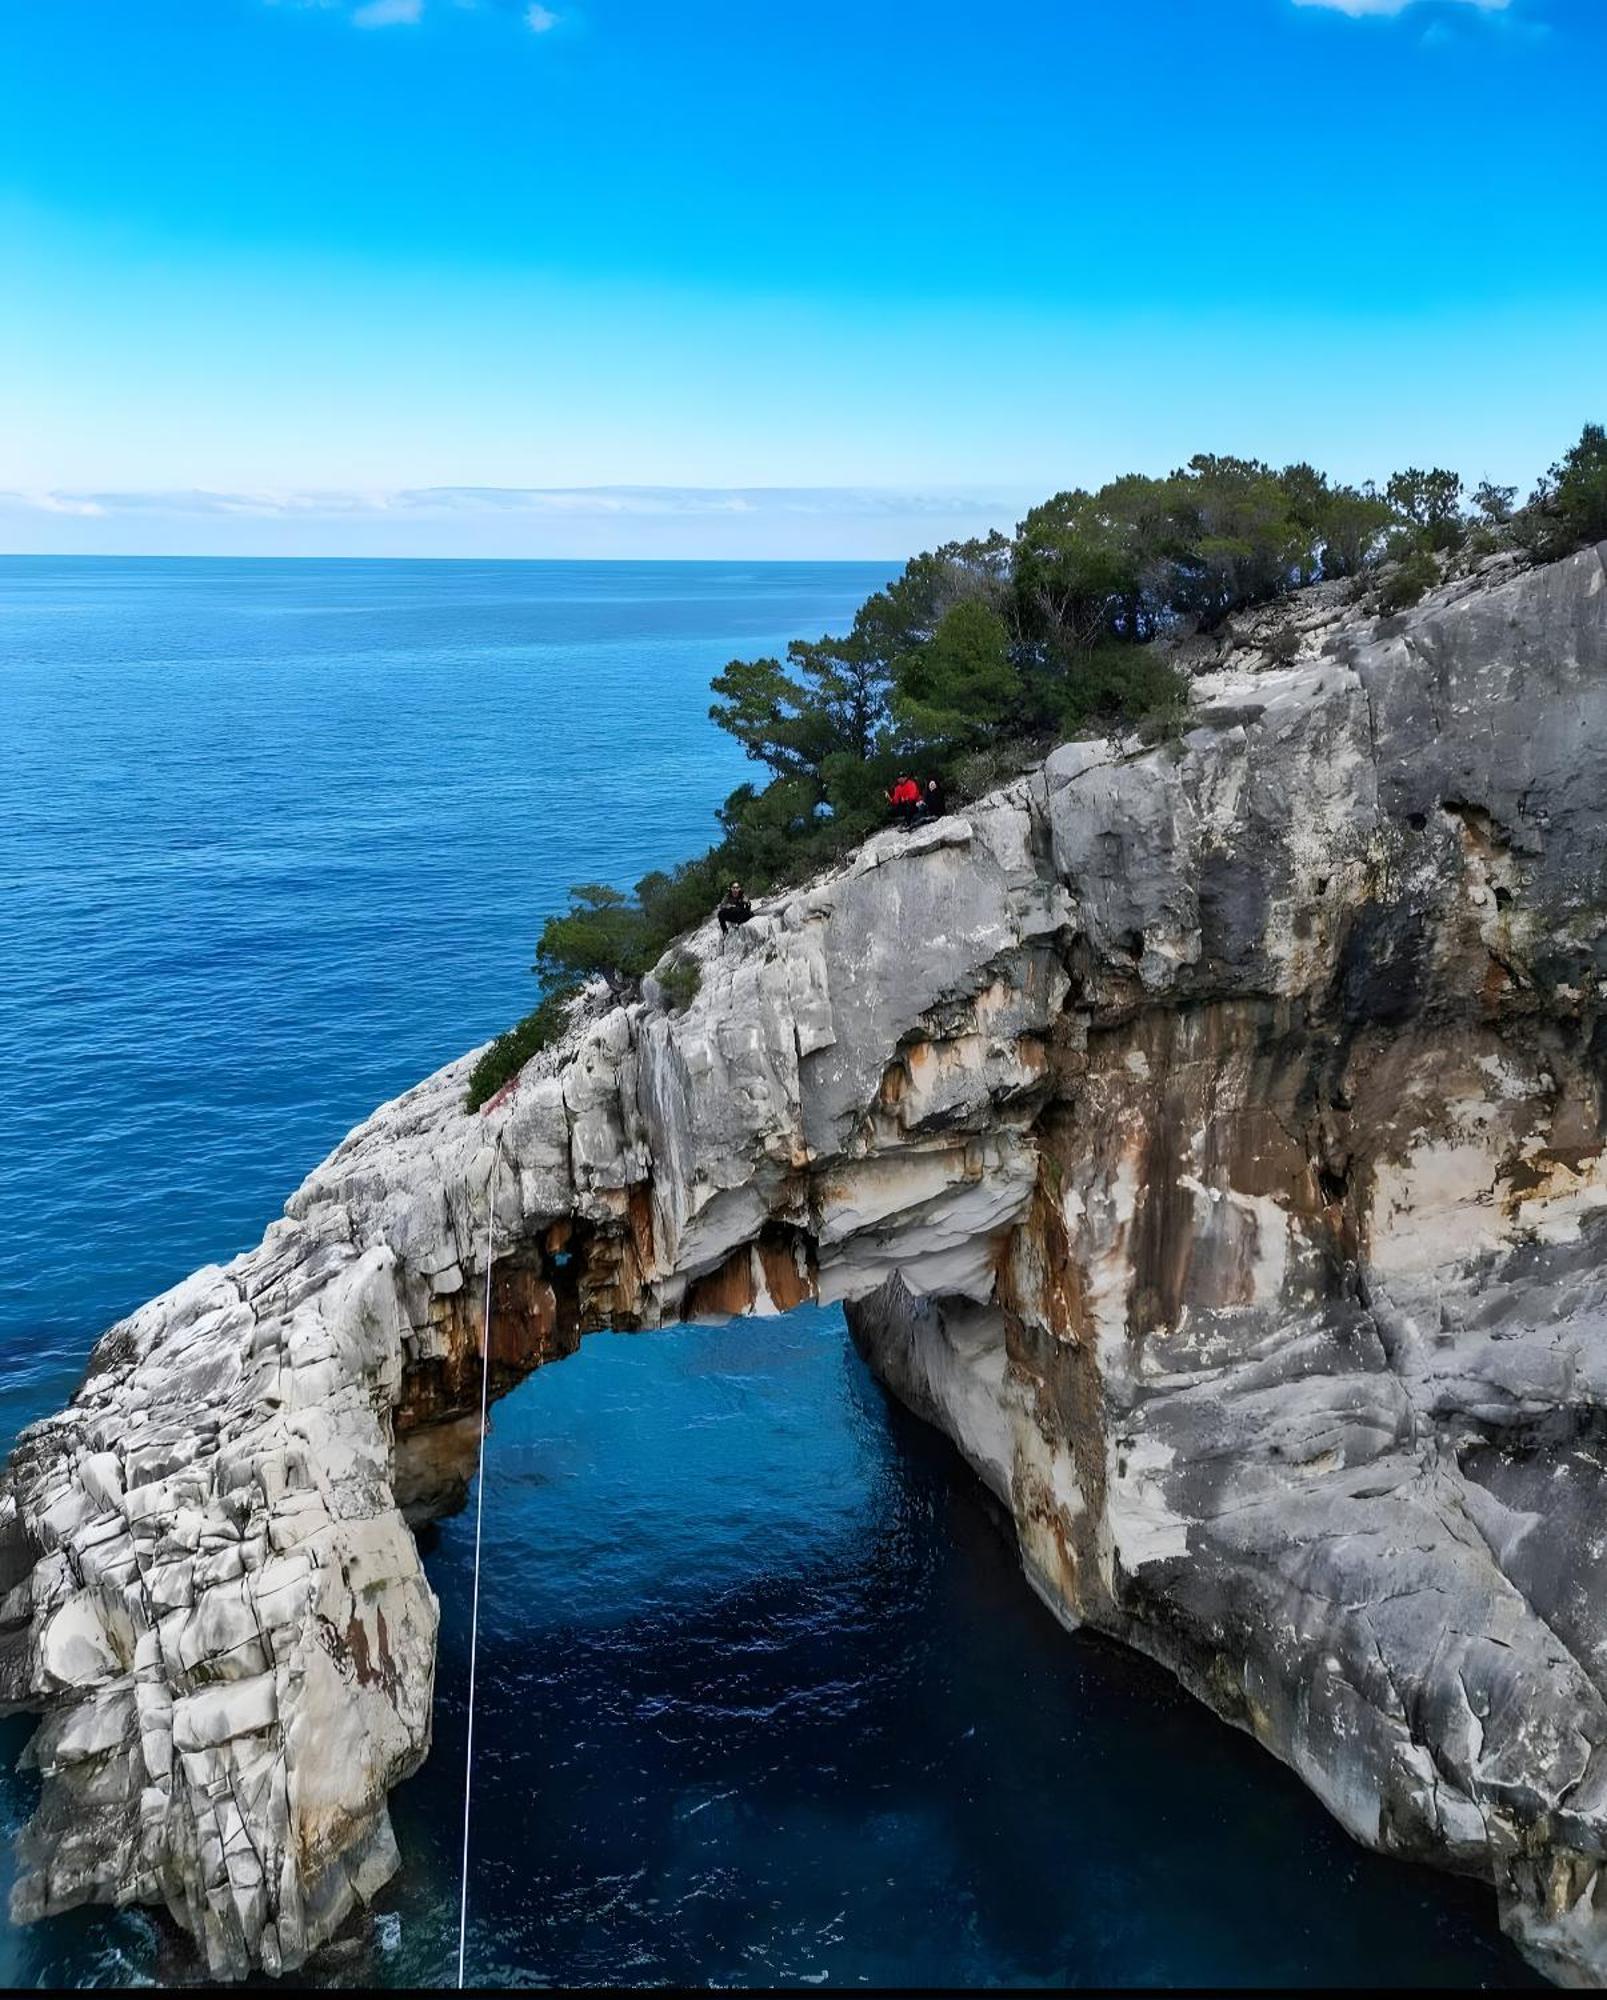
(764, 1698)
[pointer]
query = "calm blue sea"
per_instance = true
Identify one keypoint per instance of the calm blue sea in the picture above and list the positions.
(764, 1698)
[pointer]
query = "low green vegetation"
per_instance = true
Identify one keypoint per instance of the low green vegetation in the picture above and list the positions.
(1411, 577)
(983, 654)
(681, 981)
(513, 1048)
(1569, 507)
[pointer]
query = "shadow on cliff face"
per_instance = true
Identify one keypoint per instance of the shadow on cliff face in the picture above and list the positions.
(765, 1699)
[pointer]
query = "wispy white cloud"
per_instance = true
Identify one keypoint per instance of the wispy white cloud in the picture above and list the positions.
(540, 20)
(1358, 8)
(859, 502)
(388, 13)
(79, 504)
(487, 523)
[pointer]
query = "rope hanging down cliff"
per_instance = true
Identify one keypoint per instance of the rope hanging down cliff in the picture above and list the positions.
(479, 1515)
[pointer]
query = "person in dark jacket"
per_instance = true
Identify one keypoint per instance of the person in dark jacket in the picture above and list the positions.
(935, 799)
(736, 909)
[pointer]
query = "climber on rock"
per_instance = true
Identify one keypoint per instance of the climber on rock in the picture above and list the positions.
(935, 799)
(735, 909)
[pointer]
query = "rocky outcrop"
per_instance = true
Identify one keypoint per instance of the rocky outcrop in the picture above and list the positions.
(1207, 1136)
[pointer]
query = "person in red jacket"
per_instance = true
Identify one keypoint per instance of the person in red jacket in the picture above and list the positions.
(905, 799)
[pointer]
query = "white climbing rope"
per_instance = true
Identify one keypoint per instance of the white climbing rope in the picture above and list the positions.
(479, 1515)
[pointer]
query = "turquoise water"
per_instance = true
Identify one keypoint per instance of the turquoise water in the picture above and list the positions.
(764, 1698)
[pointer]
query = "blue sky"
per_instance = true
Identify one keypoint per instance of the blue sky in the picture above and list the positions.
(740, 277)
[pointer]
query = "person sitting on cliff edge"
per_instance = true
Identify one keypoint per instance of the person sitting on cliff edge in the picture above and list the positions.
(934, 800)
(736, 909)
(905, 799)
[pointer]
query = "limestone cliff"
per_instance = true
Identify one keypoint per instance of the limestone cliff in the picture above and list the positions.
(1207, 1136)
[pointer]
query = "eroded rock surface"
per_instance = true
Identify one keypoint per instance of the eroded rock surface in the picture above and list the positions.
(1208, 1137)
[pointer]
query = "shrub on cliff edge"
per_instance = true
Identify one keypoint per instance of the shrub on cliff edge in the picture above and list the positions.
(1415, 573)
(513, 1048)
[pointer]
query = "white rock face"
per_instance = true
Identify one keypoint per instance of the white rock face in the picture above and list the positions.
(1208, 1137)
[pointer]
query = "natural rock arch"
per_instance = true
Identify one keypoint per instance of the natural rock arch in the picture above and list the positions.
(1208, 1137)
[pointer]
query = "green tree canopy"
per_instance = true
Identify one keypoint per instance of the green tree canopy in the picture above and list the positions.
(1495, 503)
(1431, 503)
(1352, 527)
(1579, 489)
(1075, 563)
(1242, 541)
(962, 686)
(602, 932)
